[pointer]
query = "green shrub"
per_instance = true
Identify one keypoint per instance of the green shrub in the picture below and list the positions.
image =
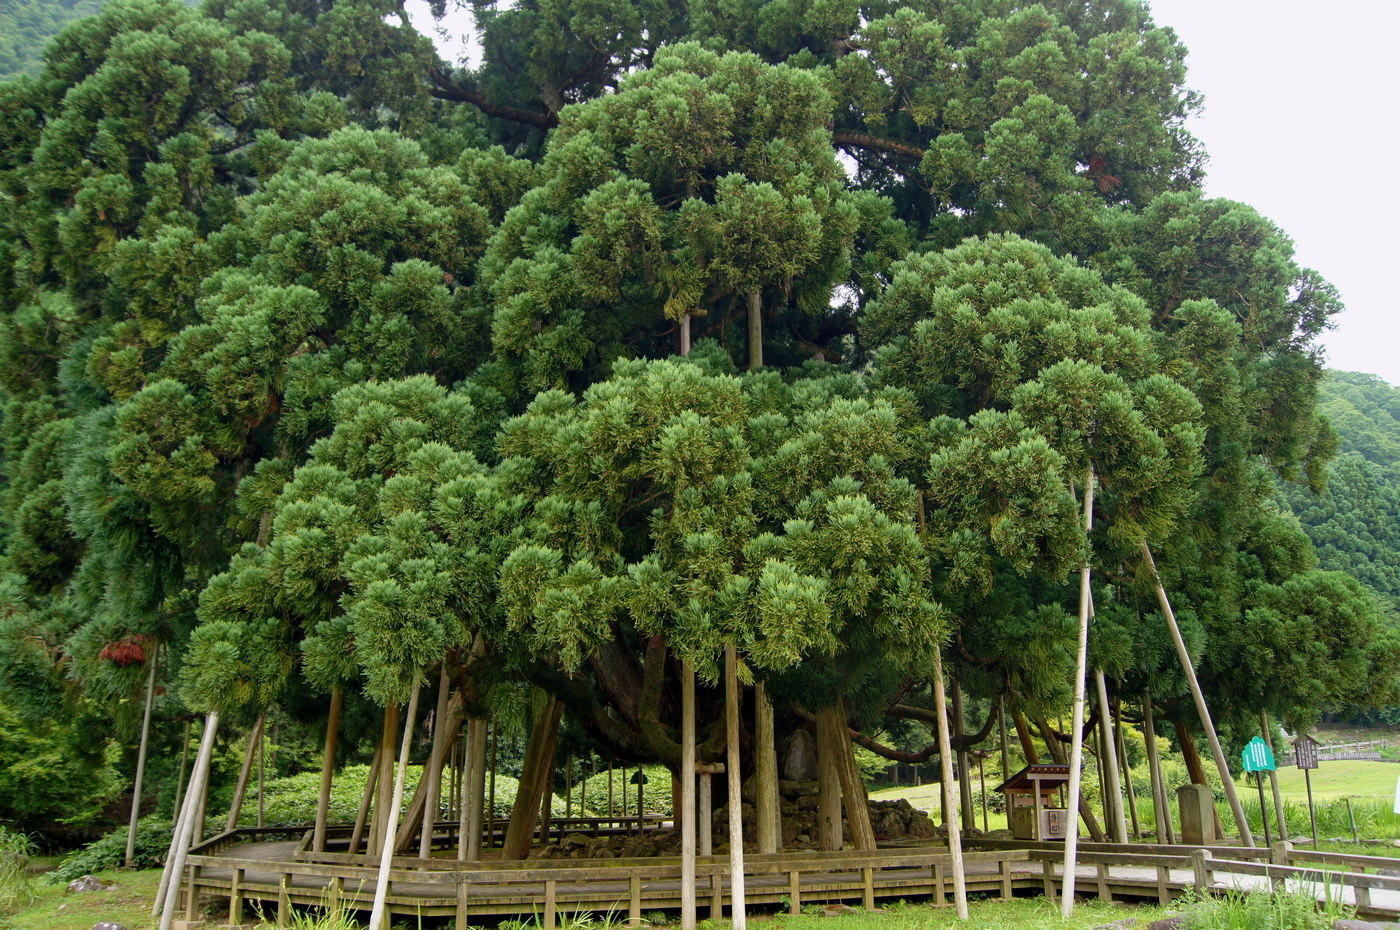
(15, 850)
(1263, 910)
(109, 852)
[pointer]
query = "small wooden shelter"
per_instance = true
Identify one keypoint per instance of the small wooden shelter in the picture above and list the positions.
(1031, 805)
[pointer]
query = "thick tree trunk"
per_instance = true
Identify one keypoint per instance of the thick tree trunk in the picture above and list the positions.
(323, 797)
(1113, 787)
(169, 895)
(767, 809)
(1221, 765)
(737, 908)
(852, 788)
(379, 917)
(1161, 811)
(384, 793)
(1195, 766)
(686, 818)
(534, 780)
(755, 330)
(945, 761)
(1005, 750)
(469, 810)
(968, 809)
(828, 782)
(240, 790)
(437, 756)
(1076, 755)
(1023, 733)
(141, 762)
(684, 326)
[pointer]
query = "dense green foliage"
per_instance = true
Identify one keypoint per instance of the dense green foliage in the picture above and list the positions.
(26, 26)
(324, 362)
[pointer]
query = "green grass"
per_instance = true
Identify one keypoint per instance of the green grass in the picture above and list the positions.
(1016, 914)
(127, 903)
(1347, 778)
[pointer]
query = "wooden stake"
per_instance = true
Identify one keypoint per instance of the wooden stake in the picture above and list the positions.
(1221, 765)
(323, 796)
(1076, 753)
(1109, 750)
(141, 761)
(249, 754)
(169, 894)
(687, 775)
(371, 780)
(733, 779)
(945, 759)
(1267, 730)
(1161, 810)
(378, 917)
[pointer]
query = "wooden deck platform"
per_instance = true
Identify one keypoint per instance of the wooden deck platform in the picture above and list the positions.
(273, 871)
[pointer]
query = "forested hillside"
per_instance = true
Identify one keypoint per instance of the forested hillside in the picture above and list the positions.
(1354, 522)
(26, 26)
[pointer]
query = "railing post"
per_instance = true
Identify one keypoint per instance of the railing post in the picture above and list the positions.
(634, 902)
(867, 877)
(235, 898)
(1048, 871)
(551, 890)
(939, 888)
(464, 909)
(192, 895)
(1005, 871)
(1200, 869)
(1281, 852)
(1164, 894)
(1101, 871)
(795, 892)
(1363, 898)
(284, 900)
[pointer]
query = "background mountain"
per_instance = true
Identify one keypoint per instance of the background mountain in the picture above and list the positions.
(27, 25)
(1355, 521)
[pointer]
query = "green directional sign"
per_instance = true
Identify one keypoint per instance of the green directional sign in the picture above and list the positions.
(1257, 757)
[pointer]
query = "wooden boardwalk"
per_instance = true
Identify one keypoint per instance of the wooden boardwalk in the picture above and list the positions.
(273, 871)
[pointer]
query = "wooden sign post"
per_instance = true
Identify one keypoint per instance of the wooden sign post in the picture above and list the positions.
(1305, 757)
(1258, 758)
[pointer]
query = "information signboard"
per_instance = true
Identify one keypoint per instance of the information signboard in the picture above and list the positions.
(1305, 752)
(1257, 756)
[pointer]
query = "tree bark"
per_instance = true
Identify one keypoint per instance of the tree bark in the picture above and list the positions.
(1161, 812)
(442, 746)
(141, 762)
(1076, 754)
(1005, 751)
(969, 810)
(473, 793)
(945, 761)
(767, 807)
(379, 918)
(385, 782)
(755, 332)
(1221, 765)
(323, 797)
(534, 780)
(852, 788)
(828, 783)
(737, 909)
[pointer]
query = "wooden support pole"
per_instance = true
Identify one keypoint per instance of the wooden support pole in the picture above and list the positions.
(323, 796)
(379, 917)
(1126, 770)
(733, 778)
(1223, 767)
(371, 780)
(687, 820)
(968, 811)
(262, 776)
(141, 760)
(250, 752)
(1005, 750)
(175, 864)
(1267, 730)
(852, 788)
(945, 760)
(1108, 749)
(1161, 810)
(755, 321)
(1076, 754)
(384, 780)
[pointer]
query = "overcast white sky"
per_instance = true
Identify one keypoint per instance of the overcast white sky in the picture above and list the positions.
(1300, 122)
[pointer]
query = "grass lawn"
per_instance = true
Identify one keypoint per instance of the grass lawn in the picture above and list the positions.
(1346, 778)
(127, 903)
(992, 914)
(924, 797)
